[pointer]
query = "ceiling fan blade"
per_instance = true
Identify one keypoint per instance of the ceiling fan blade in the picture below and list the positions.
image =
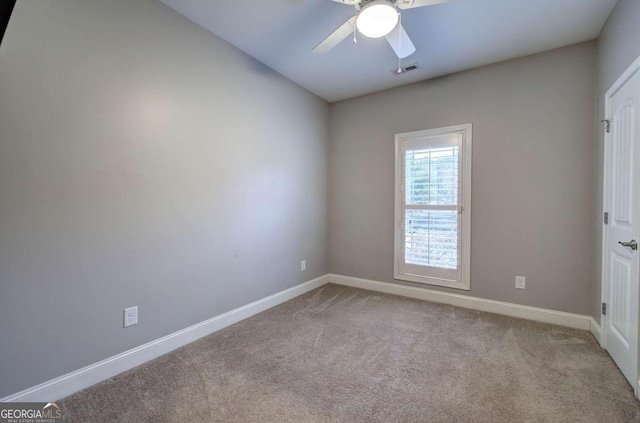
(349, 2)
(411, 4)
(336, 37)
(400, 42)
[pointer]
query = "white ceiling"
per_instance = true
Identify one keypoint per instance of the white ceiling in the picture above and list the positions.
(449, 37)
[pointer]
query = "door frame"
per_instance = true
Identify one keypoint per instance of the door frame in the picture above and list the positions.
(630, 72)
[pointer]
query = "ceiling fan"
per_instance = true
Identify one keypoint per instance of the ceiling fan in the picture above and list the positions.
(375, 19)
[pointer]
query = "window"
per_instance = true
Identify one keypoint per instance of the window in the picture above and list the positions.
(433, 206)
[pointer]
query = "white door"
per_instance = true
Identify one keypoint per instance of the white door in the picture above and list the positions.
(623, 206)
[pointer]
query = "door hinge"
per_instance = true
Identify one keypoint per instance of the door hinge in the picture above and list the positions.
(606, 218)
(607, 126)
(604, 309)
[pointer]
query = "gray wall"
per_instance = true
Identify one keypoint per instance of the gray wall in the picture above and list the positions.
(144, 162)
(532, 175)
(618, 47)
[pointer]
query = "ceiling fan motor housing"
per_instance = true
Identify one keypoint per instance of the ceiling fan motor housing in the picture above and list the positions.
(362, 3)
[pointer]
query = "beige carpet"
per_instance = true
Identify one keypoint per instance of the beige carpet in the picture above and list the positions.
(340, 354)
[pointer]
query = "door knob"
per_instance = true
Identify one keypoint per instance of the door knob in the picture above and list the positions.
(631, 244)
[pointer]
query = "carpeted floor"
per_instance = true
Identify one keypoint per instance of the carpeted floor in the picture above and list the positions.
(340, 354)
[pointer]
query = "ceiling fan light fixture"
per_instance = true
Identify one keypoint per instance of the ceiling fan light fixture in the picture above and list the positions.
(377, 19)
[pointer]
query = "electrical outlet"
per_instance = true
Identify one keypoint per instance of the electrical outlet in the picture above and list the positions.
(521, 282)
(130, 316)
(303, 265)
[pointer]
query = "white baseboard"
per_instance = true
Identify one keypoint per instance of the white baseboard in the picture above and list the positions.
(595, 330)
(75, 381)
(560, 318)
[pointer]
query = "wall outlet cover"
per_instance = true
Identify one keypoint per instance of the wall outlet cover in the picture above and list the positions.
(130, 316)
(521, 282)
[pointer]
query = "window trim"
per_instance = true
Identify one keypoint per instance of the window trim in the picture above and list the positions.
(466, 130)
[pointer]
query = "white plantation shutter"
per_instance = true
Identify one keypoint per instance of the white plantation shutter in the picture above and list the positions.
(430, 207)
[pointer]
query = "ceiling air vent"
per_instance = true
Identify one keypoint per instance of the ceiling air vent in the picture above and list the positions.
(405, 69)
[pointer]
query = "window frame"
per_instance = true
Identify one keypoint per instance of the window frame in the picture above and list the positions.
(464, 180)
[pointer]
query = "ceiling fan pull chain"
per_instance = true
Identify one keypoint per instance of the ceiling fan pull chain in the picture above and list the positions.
(355, 31)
